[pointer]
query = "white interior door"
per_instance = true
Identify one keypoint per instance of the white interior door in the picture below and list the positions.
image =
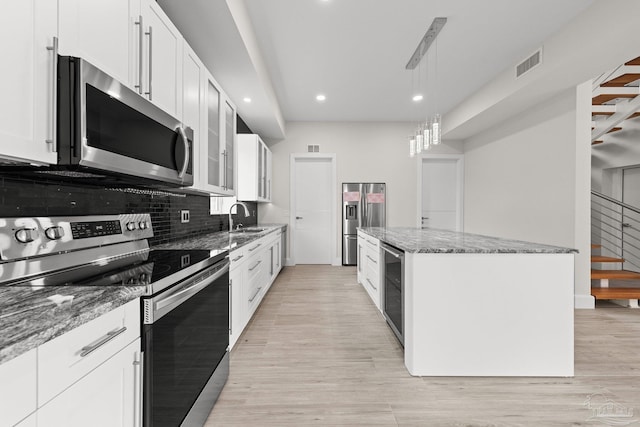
(442, 193)
(312, 209)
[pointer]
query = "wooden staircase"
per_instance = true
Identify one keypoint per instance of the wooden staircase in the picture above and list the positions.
(604, 291)
(615, 100)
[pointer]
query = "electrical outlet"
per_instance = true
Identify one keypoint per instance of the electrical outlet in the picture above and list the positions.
(184, 216)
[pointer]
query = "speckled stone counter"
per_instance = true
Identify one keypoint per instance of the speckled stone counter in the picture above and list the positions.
(431, 240)
(224, 239)
(31, 317)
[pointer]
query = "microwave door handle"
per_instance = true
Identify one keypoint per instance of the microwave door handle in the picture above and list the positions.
(187, 156)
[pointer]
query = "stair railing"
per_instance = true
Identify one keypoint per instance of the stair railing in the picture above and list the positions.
(616, 226)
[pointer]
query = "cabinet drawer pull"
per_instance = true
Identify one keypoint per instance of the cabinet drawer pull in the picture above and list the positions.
(237, 258)
(255, 295)
(372, 259)
(255, 265)
(371, 284)
(85, 351)
(255, 247)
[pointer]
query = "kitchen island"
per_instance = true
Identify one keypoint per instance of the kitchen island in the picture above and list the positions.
(482, 306)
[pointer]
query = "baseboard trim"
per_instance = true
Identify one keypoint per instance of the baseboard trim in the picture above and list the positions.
(584, 301)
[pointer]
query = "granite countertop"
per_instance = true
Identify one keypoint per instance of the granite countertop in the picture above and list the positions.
(30, 317)
(223, 239)
(431, 240)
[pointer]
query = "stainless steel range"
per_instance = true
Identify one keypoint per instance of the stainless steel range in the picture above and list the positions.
(185, 324)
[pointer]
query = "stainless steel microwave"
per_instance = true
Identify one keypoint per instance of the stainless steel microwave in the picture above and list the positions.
(109, 135)
(105, 127)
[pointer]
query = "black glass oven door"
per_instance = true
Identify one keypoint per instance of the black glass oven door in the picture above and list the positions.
(184, 346)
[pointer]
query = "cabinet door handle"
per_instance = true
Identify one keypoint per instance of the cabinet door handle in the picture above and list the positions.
(255, 247)
(255, 295)
(230, 307)
(150, 65)
(237, 258)
(224, 170)
(374, 261)
(140, 48)
(85, 351)
(53, 140)
(256, 265)
(371, 284)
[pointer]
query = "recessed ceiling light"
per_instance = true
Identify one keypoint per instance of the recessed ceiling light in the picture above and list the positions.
(246, 99)
(321, 98)
(417, 98)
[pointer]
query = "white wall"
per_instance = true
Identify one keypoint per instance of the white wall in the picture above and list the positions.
(519, 177)
(523, 181)
(365, 152)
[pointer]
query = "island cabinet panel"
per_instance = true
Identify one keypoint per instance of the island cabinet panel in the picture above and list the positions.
(489, 314)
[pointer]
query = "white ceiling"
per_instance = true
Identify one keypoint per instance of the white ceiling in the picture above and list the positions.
(281, 53)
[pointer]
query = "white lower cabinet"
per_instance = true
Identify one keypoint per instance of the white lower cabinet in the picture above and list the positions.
(89, 376)
(109, 396)
(254, 268)
(237, 308)
(18, 385)
(369, 264)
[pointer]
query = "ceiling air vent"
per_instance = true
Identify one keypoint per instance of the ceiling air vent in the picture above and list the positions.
(529, 63)
(313, 148)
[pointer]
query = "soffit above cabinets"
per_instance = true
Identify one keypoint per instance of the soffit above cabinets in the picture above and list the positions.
(282, 53)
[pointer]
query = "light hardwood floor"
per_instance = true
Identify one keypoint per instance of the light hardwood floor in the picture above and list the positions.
(318, 352)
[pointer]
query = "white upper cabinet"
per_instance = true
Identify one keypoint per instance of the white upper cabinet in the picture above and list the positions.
(193, 105)
(254, 169)
(131, 40)
(161, 58)
(104, 33)
(217, 153)
(27, 111)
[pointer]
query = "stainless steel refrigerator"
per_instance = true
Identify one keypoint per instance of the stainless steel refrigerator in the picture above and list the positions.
(363, 205)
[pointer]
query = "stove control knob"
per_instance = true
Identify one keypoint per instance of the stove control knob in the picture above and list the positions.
(142, 225)
(131, 226)
(54, 233)
(26, 235)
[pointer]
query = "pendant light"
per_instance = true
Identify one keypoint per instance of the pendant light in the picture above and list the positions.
(430, 132)
(436, 125)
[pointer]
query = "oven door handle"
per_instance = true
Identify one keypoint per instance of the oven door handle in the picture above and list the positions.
(167, 301)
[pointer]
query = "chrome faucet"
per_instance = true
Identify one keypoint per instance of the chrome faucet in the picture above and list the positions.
(246, 213)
